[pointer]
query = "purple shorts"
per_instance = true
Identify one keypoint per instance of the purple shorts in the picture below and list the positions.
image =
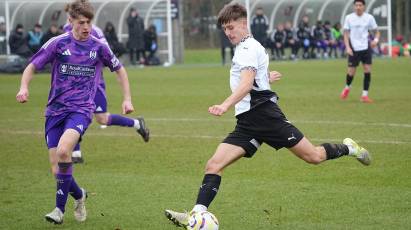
(101, 101)
(56, 125)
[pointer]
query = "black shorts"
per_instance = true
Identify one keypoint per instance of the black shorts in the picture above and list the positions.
(263, 124)
(364, 56)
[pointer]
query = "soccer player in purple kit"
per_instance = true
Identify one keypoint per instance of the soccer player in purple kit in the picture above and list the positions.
(103, 117)
(77, 60)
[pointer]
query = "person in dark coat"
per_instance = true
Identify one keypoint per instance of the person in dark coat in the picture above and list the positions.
(225, 43)
(136, 36)
(51, 32)
(112, 39)
(18, 42)
(150, 41)
(259, 26)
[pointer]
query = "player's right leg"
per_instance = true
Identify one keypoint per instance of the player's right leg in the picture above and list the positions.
(348, 81)
(225, 155)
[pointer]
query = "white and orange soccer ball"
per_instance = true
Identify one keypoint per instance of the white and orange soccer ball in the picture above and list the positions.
(202, 221)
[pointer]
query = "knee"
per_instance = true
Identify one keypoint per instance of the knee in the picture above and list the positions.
(102, 119)
(63, 153)
(314, 158)
(212, 167)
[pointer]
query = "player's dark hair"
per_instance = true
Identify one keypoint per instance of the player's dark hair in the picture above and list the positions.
(362, 1)
(231, 12)
(80, 7)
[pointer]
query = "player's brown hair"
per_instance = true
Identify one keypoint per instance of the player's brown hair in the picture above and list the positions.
(231, 12)
(80, 7)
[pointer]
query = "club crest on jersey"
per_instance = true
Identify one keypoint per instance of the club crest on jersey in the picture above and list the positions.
(63, 68)
(93, 54)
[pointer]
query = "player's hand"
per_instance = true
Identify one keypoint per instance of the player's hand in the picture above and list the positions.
(217, 110)
(23, 95)
(274, 76)
(349, 51)
(374, 43)
(127, 107)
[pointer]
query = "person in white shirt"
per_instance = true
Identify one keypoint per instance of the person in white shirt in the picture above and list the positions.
(357, 27)
(259, 118)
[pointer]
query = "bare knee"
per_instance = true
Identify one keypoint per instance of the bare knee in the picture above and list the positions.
(213, 167)
(102, 118)
(63, 154)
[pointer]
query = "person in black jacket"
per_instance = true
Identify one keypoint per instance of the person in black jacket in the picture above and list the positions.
(150, 41)
(112, 40)
(259, 26)
(52, 32)
(18, 42)
(136, 36)
(279, 37)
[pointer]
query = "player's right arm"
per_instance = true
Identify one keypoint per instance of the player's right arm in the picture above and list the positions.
(347, 42)
(346, 29)
(23, 94)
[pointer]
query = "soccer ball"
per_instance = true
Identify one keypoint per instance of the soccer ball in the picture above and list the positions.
(202, 221)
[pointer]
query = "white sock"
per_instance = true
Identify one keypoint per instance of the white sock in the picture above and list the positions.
(136, 124)
(199, 208)
(347, 87)
(365, 93)
(351, 150)
(76, 153)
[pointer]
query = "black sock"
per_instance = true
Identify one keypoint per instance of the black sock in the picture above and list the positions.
(367, 80)
(349, 79)
(335, 150)
(208, 189)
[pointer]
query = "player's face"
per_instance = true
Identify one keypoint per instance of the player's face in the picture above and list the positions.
(236, 30)
(359, 8)
(81, 27)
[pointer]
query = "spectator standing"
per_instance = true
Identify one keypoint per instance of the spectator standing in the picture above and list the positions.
(18, 42)
(3, 38)
(112, 39)
(51, 32)
(259, 26)
(34, 37)
(136, 36)
(225, 43)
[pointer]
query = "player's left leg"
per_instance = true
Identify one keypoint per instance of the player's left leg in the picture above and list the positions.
(118, 120)
(366, 85)
(104, 118)
(328, 151)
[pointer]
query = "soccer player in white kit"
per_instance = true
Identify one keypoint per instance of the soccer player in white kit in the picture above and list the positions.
(259, 118)
(357, 27)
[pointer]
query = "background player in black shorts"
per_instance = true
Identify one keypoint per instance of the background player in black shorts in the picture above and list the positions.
(357, 26)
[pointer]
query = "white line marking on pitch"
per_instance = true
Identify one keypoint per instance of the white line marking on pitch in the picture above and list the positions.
(384, 124)
(110, 134)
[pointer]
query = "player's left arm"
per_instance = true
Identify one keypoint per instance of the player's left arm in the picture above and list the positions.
(374, 29)
(122, 78)
(245, 86)
(274, 76)
(376, 39)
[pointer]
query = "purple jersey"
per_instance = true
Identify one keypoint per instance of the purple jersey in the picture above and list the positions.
(76, 71)
(98, 33)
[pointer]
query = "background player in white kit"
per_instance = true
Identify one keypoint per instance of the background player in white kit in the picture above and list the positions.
(357, 27)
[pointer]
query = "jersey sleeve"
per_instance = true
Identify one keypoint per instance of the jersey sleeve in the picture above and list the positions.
(247, 58)
(372, 24)
(45, 55)
(346, 24)
(109, 59)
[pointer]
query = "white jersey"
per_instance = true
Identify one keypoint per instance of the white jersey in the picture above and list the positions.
(358, 26)
(250, 54)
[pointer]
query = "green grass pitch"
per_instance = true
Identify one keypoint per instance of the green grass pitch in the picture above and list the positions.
(131, 182)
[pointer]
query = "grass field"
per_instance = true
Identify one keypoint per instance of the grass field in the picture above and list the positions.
(131, 182)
